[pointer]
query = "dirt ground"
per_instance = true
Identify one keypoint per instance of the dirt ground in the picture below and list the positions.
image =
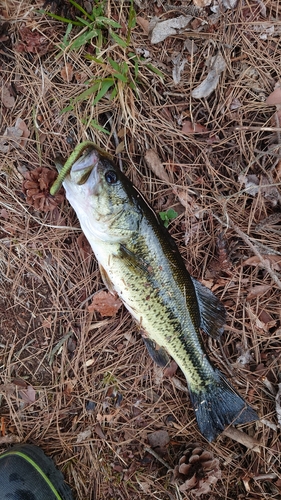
(82, 385)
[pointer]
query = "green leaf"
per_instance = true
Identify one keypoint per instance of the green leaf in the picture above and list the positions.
(114, 64)
(133, 86)
(113, 93)
(93, 58)
(136, 69)
(121, 77)
(155, 70)
(79, 7)
(83, 39)
(60, 18)
(132, 21)
(166, 217)
(96, 125)
(105, 85)
(56, 349)
(118, 40)
(88, 92)
(67, 108)
(124, 68)
(107, 21)
(85, 22)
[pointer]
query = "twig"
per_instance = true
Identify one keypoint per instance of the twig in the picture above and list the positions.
(243, 438)
(265, 477)
(152, 452)
(261, 129)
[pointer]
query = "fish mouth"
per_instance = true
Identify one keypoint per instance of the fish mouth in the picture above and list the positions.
(82, 169)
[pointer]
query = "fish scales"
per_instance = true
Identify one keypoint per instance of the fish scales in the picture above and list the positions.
(139, 260)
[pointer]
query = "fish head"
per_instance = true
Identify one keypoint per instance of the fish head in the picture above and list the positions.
(102, 197)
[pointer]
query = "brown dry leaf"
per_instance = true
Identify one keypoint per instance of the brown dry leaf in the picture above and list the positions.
(256, 291)
(7, 99)
(4, 214)
(158, 439)
(84, 246)
(254, 185)
(274, 261)
(193, 128)
(98, 430)
(10, 139)
(33, 42)
(67, 72)
(80, 77)
(105, 303)
(47, 322)
(216, 66)
(160, 30)
(82, 436)
(143, 23)
(20, 125)
(28, 395)
(275, 97)
(156, 165)
(202, 3)
(187, 201)
(267, 319)
(171, 369)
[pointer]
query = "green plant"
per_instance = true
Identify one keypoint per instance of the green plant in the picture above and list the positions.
(118, 75)
(167, 216)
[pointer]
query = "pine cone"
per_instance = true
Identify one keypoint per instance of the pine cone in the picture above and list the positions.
(36, 187)
(198, 469)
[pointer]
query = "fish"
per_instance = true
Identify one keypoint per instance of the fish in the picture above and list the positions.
(139, 260)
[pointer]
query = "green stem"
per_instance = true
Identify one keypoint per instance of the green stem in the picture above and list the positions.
(75, 155)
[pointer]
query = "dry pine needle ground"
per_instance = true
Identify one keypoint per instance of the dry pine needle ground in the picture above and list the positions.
(81, 385)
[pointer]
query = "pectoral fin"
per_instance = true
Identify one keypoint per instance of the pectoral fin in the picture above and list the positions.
(158, 354)
(212, 312)
(132, 260)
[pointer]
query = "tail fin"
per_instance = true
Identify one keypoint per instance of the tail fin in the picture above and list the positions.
(218, 406)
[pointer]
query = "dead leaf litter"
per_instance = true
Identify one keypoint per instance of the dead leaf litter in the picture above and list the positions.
(188, 101)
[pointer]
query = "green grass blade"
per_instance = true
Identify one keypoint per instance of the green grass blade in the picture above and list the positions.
(155, 70)
(67, 108)
(118, 40)
(85, 22)
(83, 39)
(108, 22)
(105, 85)
(113, 94)
(96, 125)
(79, 7)
(59, 18)
(87, 92)
(121, 77)
(114, 64)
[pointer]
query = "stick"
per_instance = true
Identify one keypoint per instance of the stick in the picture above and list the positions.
(243, 438)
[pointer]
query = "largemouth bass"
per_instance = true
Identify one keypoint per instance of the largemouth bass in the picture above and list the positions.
(139, 261)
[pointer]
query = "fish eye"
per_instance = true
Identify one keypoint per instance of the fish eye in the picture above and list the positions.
(111, 177)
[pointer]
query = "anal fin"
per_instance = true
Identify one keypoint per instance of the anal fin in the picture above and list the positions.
(158, 354)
